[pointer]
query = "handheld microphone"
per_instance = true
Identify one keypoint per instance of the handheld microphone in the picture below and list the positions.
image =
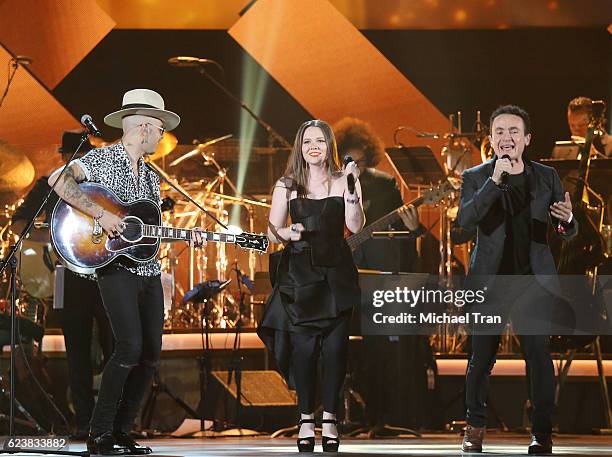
(88, 122)
(350, 179)
(504, 175)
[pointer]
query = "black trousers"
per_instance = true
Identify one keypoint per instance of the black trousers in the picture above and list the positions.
(332, 345)
(82, 307)
(521, 294)
(135, 308)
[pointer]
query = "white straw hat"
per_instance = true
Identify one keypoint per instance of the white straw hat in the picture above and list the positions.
(145, 102)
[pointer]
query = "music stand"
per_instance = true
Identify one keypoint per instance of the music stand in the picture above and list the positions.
(417, 165)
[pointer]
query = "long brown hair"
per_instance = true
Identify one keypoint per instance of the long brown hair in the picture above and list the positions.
(297, 168)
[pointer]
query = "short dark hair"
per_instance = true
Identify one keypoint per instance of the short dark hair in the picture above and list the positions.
(581, 105)
(352, 133)
(512, 109)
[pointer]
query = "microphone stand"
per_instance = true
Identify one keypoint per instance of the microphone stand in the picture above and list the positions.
(11, 260)
(236, 360)
(267, 127)
(15, 67)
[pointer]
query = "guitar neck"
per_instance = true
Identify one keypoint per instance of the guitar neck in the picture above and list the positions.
(381, 224)
(174, 233)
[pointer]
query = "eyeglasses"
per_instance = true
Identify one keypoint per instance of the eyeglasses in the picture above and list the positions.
(161, 129)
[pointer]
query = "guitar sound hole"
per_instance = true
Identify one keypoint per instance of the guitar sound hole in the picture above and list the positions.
(133, 229)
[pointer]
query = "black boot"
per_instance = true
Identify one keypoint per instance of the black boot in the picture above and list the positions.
(125, 440)
(541, 443)
(105, 444)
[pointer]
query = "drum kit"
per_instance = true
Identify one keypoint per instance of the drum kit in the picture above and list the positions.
(183, 266)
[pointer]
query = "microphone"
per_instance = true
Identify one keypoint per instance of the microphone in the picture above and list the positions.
(88, 122)
(23, 60)
(504, 175)
(187, 61)
(350, 179)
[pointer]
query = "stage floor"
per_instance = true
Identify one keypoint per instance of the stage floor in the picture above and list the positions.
(431, 445)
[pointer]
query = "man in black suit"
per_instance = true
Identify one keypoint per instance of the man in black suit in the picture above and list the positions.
(510, 201)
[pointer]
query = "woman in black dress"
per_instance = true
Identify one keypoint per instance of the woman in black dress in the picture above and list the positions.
(315, 279)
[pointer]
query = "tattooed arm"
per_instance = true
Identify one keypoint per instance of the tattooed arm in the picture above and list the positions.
(68, 189)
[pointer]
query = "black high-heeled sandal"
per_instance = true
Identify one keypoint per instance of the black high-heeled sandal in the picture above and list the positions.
(330, 444)
(306, 444)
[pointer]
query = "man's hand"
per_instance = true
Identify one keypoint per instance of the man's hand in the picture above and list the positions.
(198, 240)
(112, 224)
(562, 210)
(501, 165)
(410, 217)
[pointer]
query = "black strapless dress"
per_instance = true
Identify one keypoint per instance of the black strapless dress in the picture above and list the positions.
(316, 282)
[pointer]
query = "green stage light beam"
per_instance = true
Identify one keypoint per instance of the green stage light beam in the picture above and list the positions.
(254, 85)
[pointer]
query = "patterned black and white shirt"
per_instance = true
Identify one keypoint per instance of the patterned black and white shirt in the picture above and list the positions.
(111, 167)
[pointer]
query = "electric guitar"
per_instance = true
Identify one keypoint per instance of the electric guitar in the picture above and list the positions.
(83, 250)
(429, 197)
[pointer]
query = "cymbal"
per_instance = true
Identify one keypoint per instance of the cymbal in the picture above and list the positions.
(165, 146)
(16, 170)
(199, 148)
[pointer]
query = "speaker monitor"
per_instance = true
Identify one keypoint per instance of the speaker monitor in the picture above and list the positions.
(266, 403)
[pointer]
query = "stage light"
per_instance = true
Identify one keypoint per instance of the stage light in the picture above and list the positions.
(460, 15)
(254, 85)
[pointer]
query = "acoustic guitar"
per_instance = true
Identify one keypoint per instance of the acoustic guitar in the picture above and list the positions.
(83, 250)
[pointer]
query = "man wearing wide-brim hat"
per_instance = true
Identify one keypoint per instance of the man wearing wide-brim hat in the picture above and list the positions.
(132, 292)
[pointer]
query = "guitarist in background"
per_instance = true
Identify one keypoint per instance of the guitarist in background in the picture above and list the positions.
(380, 196)
(405, 362)
(132, 293)
(82, 302)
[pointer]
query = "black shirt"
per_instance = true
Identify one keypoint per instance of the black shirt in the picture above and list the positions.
(515, 259)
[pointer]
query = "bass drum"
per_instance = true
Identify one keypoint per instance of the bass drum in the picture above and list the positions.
(37, 268)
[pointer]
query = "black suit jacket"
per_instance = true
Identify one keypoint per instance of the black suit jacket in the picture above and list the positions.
(481, 208)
